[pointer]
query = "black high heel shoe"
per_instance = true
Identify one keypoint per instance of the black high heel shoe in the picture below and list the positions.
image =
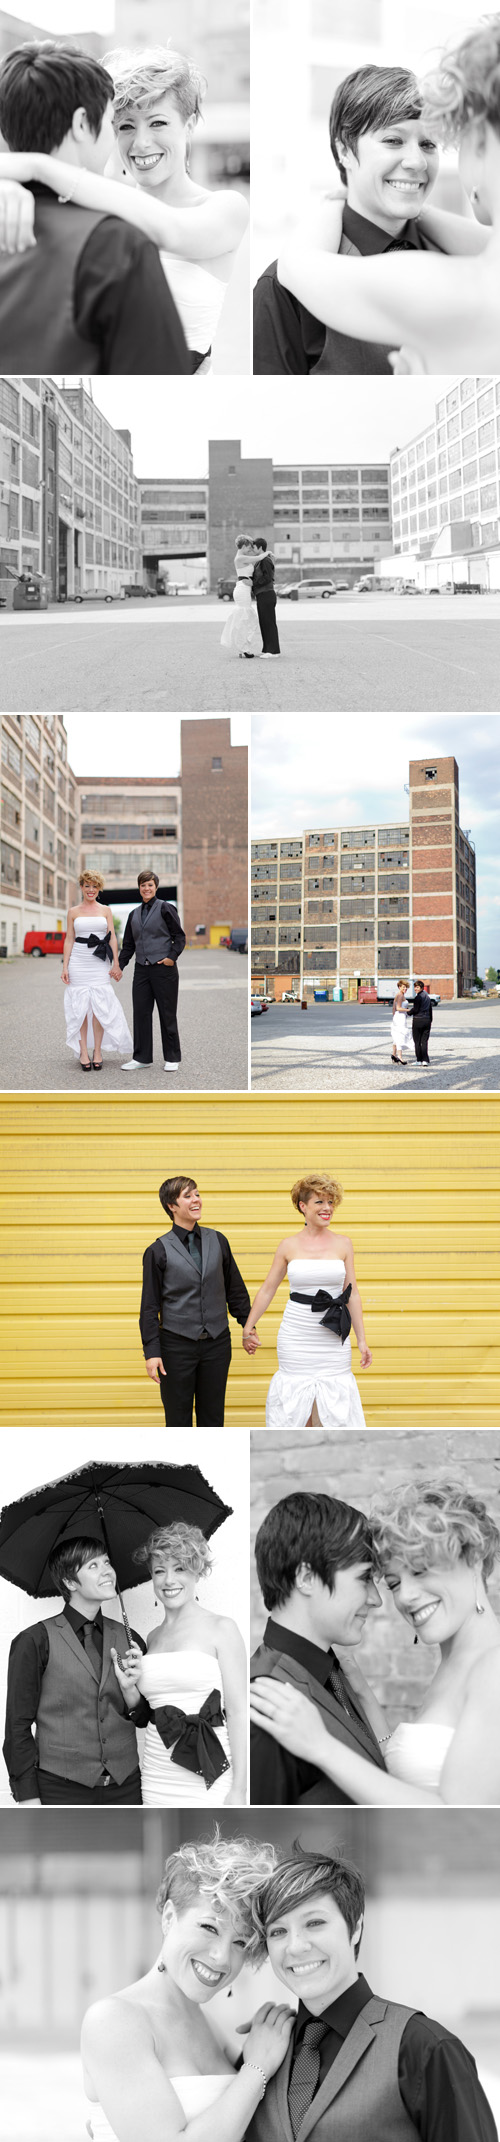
(85, 1067)
(97, 1067)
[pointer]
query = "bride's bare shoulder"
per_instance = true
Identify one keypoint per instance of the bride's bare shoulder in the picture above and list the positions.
(116, 2017)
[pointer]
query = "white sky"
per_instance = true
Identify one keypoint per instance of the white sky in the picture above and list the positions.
(345, 419)
(66, 17)
(128, 744)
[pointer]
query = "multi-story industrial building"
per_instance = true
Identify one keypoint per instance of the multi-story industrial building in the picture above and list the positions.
(126, 824)
(361, 905)
(38, 827)
(335, 519)
(68, 497)
(445, 488)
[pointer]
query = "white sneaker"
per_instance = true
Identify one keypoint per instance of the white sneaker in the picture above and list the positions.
(133, 1065)
(171, 1067)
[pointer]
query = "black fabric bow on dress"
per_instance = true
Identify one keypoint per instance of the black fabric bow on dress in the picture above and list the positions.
(196, 1745)
(338, 1316)
(100, 946)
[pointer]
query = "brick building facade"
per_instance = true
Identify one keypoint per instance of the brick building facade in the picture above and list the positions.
(240, 496)
(215, 826)
(359, 1469)
(361, 905)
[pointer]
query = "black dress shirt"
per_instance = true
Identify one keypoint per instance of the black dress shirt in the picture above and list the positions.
(287, 338)
(121, 299)
(277, 1778)
(29, 1656)
(438, 2080)
(422, 1008)
(154, 1262)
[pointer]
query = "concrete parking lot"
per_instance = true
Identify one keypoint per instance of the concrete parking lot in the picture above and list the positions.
(213, 1026)
(378, 653)
(347, 1048)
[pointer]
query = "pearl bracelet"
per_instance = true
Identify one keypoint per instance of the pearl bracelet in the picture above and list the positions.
(257, 2071)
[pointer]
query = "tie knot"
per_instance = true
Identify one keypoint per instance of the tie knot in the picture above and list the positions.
(314, 2031)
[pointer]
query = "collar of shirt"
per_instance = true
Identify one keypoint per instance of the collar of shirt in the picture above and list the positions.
(185, 1232)
(77, 1619)
(370, 238)
(318, 1663)
(341, 2013)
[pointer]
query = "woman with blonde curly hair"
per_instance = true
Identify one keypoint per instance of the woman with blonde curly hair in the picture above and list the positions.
(314, 1383)
(154, 2065)
(434, 313)
(437, 1546)
(157, 104)
(94, 1018)
(194, 1678)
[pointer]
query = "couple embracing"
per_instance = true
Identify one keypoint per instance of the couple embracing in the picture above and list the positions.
(254, 568)
(333, 2058)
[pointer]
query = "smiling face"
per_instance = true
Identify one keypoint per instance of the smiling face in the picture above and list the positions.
(96, 1580)
(202, 1949)
(339, 1616)
(188, 1208)
(436, 1601)
(174, 1586)
(148, 889)
(312, 1952)
(392, 173)
(317, 1209)
(153, 140)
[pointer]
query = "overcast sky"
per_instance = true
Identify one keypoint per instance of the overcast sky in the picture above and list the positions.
(329, 770)
(341, 420)
(68, 16)
(128, 744)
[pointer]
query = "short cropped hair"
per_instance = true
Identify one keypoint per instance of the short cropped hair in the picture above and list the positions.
(370, 98)
(435, 1521)
(325, 1534)
(466, 84)
(310, 1874)
(403, 982)
(183, 1544)
(222, 1871)
(244, 542)
(420, 985)
(143, 874)
(172, 1189)
(69, 1557)
(321, 1185)
(41, 86)
(91, 877)
(141, 78)
(259, 543)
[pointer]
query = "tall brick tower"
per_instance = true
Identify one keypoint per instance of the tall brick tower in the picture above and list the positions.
(443, 879)
(240, 502)
(214, 826)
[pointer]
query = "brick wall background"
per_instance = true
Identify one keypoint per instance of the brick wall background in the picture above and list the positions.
(358, 1469)
(214, 826)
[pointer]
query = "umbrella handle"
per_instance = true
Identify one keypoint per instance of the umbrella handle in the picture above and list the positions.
(128, 1631)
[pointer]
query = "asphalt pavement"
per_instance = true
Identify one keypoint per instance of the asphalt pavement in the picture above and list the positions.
(354, 653)
(213, 1026)
(346, 1048)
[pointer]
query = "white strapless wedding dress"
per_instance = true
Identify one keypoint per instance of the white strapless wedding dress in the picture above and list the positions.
(196, 2093)
(90, 990)
(416, 1752)
(199, 297)
(314, 1363)
(184, 1680)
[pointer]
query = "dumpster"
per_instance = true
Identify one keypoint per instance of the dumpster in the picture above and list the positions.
(321, 996)
(30, 592)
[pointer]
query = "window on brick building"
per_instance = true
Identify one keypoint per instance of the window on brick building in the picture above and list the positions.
(216, 765)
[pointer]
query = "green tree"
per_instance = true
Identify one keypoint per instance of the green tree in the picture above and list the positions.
(491, 975)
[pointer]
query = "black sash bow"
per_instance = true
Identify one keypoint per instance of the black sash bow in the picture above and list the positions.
(338, 1316)
(100, 946)
(196, 1745)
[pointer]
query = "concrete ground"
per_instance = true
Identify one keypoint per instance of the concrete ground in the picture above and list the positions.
(356, 652)
(335, 1048)
(213, 1026)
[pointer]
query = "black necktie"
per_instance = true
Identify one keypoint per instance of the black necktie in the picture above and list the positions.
(305, 2072)
(92, 1645)
(338, 1689)
(194, 1249)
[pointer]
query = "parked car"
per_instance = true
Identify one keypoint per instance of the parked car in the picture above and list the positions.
(225, 590)
(290, 996)
(310, 591)
(91, 595)
(238, 940)
(39, 942)
(138, 589)
(255, 1007)
(263, 1001)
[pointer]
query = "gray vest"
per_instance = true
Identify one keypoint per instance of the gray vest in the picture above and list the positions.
(81, 1728)
(151, 934)
(37, 326)
(359, 2100)
(194, 1301)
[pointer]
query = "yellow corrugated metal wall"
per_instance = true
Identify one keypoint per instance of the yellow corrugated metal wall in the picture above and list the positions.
(80, 1202)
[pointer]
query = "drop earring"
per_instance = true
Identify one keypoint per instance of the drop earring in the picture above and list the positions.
(161, 1966)
(415, 1641)
(479, 1606)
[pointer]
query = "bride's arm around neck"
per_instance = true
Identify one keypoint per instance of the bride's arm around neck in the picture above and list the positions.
(210, 225)
(123, 2073)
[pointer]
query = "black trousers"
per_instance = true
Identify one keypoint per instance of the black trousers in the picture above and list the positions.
(266, 610)
(421, 1030)
(65, 1792)
(155, 985)
(196, 1373)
